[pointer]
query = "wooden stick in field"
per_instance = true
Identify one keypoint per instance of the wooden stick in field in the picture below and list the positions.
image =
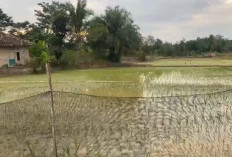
(48, 69)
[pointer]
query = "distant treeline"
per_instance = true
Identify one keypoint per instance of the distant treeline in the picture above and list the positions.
(218, 43)
(74, 35)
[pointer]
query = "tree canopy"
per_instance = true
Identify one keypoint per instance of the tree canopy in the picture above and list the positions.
(5, 20)
(111, 33)
(78, 19)
(199, 46)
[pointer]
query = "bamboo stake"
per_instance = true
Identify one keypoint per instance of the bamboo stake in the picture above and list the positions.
(48, 69)
(4, 117)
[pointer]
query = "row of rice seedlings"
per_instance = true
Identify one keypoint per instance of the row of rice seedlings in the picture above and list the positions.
(176, 83)
(180, 78)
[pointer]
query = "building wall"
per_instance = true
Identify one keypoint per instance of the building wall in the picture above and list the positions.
(11, 53)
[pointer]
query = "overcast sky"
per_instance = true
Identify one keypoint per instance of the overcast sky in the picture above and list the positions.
(170, 20)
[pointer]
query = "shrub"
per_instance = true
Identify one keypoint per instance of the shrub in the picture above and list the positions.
(142, 56)
(36, 51)
(72, 58)
(36, 65)
(4, 66)
(69, 57)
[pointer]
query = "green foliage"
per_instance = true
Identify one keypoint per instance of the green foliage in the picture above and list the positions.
(186, 48)
(69, 58)
(73, 58)
(45, 58)
(210, 44)
(142, 56)
(4, 66)
(59, 27)
(151, 46)
(36, 34)
(98, 39)
(53, 19)
(111, 33)
(5, 20)
(19, 28)
(7, 24)
(40, 55)
(38, 48)
(46, 16)
(65, 23)
(78, 19)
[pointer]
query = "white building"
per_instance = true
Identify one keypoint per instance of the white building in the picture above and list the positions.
(13, 50)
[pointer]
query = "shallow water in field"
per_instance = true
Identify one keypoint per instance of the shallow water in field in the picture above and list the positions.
(120, 82)
(111, 89)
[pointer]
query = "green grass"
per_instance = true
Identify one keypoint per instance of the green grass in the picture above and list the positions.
(118, 82)
(218, 61)
(104, 82)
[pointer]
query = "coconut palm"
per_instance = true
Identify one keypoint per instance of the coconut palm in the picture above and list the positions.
(113, 32)
(78, 16)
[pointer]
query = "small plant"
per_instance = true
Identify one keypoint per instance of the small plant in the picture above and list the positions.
(37, 51)
(67, 152)
(4, 66)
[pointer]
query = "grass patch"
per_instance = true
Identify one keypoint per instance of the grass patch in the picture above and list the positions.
(218, 61)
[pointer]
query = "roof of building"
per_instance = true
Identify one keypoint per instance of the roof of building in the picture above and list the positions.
(8, 40)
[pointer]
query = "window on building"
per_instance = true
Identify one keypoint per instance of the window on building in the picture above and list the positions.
(18, 56)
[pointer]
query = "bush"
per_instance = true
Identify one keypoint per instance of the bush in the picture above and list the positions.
(142, 56)
(72, 58)
(36, 65)
(69, 57)
(37, 62)
(4, 66)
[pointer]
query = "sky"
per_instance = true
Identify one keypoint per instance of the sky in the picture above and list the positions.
(169, 20)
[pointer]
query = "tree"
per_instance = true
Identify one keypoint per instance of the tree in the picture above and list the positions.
(45, 17)
(158, 44)
(151, 45)
(118, 20)
(5, 20)
(78, 17)
(36, 34)
(167, 49)
(37, 51)
(181, 48)
(150, 41)
(118, 28)
(220, 43)
(38, 48)
(20, 28)
(54, 20)
(65, 23)
(211, 43)
(98, 38)
(59, 27)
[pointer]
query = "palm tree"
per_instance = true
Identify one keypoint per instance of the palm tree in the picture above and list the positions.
(78, 19)
(121, 30)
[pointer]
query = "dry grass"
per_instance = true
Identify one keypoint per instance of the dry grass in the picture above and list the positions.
(118, 126)
(220, 147)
